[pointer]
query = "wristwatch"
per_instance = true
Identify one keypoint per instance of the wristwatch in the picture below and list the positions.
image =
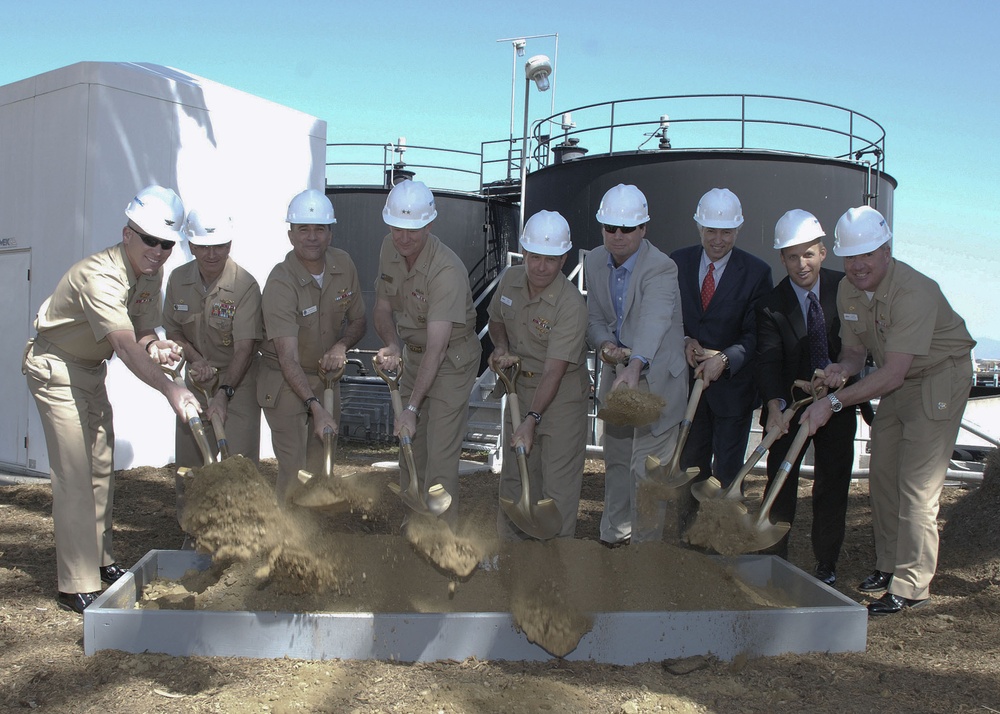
(835, 403)
(411, 408)
(536, 416)
(227, 390)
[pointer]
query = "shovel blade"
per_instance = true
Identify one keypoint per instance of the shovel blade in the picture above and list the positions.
(541, 521)
(704, 490)
(680, 478)
(768, 535)
(438, 500)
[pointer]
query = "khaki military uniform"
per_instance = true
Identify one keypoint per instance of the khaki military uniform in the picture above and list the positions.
(916, 425)
(550, 326)
(294, 305)
(66, 367)
(212, 319)
(436, 289)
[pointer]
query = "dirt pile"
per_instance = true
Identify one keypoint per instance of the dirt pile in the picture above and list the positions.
(233, 514)
(972, 533)
(724, 526)
(631, 407)
(433, 539)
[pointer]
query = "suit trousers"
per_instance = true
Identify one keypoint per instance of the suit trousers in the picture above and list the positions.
(717, 445)
(555, 462)
(834, 460)
(625, 452)
(913, 436)
(79, 436)
(441, 426)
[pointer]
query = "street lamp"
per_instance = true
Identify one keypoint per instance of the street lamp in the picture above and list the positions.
(537, 70)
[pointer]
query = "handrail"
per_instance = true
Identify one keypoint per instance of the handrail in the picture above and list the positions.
(681, 122)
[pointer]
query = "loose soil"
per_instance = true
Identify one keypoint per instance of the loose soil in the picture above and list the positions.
(943, 657)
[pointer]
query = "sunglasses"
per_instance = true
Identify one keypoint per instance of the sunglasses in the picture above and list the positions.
(153, 242)
(623, 229)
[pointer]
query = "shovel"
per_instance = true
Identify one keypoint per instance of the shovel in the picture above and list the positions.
(761, 532)
(193, 420)
(438, 499)
(217, 426)
(712, 487)
(540, 520)
(672, 476)
(323, 492)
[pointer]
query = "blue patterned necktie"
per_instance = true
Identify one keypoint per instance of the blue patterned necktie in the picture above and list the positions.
(819, 354)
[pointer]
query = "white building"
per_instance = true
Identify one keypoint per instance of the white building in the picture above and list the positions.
(75, 145)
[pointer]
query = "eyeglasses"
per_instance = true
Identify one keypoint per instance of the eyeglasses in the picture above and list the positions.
(153, 242)
(623, 229)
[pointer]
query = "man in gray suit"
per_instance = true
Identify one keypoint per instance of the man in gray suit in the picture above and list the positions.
(633, 304)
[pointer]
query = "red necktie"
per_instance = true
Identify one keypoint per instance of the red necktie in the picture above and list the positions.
(708, 287)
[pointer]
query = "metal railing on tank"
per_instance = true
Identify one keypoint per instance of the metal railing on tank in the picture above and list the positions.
(441, 169)
(711, 122)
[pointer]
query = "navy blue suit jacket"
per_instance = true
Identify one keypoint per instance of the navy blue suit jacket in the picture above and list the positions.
(728, 324)
(783, 345)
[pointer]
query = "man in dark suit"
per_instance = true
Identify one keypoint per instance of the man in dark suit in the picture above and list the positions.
(719, 285)
(798, 331)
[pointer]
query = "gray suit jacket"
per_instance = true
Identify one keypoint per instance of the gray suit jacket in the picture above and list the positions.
(652, 326)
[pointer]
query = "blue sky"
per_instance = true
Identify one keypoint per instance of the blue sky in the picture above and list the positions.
(433, 72)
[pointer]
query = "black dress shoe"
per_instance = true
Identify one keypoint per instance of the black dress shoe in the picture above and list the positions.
(826, 573)
(878, 580)
(77, 602)
(111, 573)
(890, 604)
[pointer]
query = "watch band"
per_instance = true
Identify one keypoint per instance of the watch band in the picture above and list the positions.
(228, 390)
(411, 408)
(308, 402)
(536, 416)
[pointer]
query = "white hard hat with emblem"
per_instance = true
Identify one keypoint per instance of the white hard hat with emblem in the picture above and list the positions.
(546, 233)
(157, 211)
(860, 230)
(311, 207)
(409, 205)
(719, 208)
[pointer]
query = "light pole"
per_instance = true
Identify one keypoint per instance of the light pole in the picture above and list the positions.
(518, 44)
(537, 70)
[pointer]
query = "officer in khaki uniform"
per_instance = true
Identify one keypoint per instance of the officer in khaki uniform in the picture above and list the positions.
(423, 311)
(212, 309)
(923, 352)
(313, 313)
(108, 303)
(538, 315)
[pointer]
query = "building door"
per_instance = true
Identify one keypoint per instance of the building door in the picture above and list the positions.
(15, 326)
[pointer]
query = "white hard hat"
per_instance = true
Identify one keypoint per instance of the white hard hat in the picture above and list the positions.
(311, 207)
(546, 233)
(861, 230)
(158, 212)
(795, 228)
(207, 228)
(623, 205)
(409, 205)
(719, 208)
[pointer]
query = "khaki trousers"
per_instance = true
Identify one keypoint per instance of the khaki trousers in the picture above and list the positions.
(242, 429)
(913, 436)
(294, 444)
(555, 462)
(441, 426)
(79, 435)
